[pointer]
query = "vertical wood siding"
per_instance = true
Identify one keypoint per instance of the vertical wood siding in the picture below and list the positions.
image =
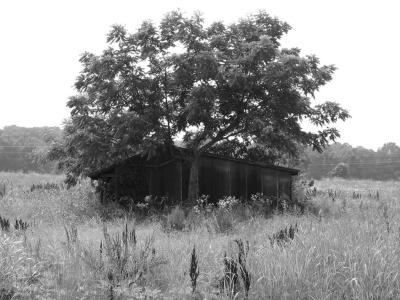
(166, 181)
(217, 178)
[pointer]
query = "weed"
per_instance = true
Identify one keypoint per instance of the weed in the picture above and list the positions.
(230, 281)
(2, 189)
(4, 224)
(222, 220)
(284, 236)
(374, 194)
(123, 259)
(194, 269)
(46, 186)
(344, 205)
(346, 256)
(385, 215)
(6, 294)
(175, 220)
(242, 260)
(20, 225)
(71, 234)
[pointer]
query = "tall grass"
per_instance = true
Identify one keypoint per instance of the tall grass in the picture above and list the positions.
(346, 248)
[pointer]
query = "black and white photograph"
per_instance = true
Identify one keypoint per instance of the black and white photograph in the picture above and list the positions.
(199, 150)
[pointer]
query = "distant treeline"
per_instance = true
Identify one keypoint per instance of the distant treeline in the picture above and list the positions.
(362, 163)
(25, 149)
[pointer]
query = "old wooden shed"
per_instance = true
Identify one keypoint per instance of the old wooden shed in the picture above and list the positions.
(167, 174)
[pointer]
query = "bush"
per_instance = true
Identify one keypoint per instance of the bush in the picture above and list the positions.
(228, 202)
(175, 220)
(341, 170)
(261, 204)
(222, 220)
(111, 210)
(302, 193)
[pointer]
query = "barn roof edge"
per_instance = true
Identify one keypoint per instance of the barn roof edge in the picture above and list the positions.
(107, 170)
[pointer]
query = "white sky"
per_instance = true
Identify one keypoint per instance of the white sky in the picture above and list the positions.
(41, 42)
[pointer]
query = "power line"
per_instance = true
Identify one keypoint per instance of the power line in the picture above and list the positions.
(372, 163)
(24, 146)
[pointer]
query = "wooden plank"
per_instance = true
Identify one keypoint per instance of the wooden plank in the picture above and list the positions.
(253, 180)
(268, 182)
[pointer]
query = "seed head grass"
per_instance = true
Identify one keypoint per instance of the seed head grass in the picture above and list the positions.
(347, 248)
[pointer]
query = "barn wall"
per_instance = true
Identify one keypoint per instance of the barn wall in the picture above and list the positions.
(269, 182)
(218, 178)
(238, 180)
(132, 181)
(166, 181)
(285, 188)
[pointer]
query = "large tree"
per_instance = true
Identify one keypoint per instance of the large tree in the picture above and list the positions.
(221, 88)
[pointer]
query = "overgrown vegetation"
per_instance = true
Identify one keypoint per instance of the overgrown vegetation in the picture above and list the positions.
(343, 245)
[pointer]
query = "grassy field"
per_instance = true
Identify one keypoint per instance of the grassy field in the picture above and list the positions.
(346, 247)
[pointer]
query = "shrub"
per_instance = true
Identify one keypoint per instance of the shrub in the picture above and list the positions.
(203, 205)
(283, 236)
(341, 170)
(303, 191)
(222, 220)
(228, 202)
(176, 219)
(261, 203)
(112, 210)
(194, 219)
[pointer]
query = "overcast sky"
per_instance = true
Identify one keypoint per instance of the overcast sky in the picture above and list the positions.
(41, 42)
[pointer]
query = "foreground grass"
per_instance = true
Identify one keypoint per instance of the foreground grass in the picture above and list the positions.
(347, 249)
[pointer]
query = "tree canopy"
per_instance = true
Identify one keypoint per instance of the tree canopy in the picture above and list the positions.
(221, 88)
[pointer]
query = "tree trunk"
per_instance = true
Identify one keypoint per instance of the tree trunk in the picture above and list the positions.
(193, 193)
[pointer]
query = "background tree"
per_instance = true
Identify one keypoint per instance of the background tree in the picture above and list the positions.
(340, 170)
(217, 87)
(25, 149)
(383, 164)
